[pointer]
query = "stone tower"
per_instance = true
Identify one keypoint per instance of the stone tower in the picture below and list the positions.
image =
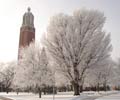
(27, 30)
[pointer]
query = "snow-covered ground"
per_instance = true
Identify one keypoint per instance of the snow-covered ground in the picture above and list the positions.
(115, 96)
(30, 96)
(63, 96)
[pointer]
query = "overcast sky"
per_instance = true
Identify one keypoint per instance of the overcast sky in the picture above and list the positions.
(11, 13)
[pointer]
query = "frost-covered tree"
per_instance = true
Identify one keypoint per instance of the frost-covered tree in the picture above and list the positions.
(33, 70)
(77, 42)
(116, 79)
(118, 67)
(1, 69)
(100, 75)
(7, 75)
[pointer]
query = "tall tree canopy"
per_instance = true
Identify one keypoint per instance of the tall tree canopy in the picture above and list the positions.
(33, 68)
(77, 42)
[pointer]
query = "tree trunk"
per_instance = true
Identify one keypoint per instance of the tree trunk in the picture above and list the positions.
(105, 86)
(44, 91)
(81, 84)
(7, 90)
(81, 88)
(17, 92)
(76, 88)
(39, 92)
(98, 87)
(75, 82)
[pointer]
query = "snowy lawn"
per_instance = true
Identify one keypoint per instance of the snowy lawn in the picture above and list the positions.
(30, 96)
(60, 96)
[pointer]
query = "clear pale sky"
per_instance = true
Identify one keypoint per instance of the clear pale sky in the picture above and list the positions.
(11, 12)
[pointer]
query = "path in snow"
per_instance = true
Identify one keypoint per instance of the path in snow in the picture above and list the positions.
(115, 96)
(3, 98)
(85, 98)
(99, 96)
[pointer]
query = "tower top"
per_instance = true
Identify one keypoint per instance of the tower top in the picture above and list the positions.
(29, 9)
(28, 18)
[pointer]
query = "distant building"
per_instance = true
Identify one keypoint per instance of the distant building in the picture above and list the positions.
(27, 30)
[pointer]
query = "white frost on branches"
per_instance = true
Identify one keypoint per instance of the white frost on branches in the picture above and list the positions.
(33, 67)
(7, 74)
(78, 42)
